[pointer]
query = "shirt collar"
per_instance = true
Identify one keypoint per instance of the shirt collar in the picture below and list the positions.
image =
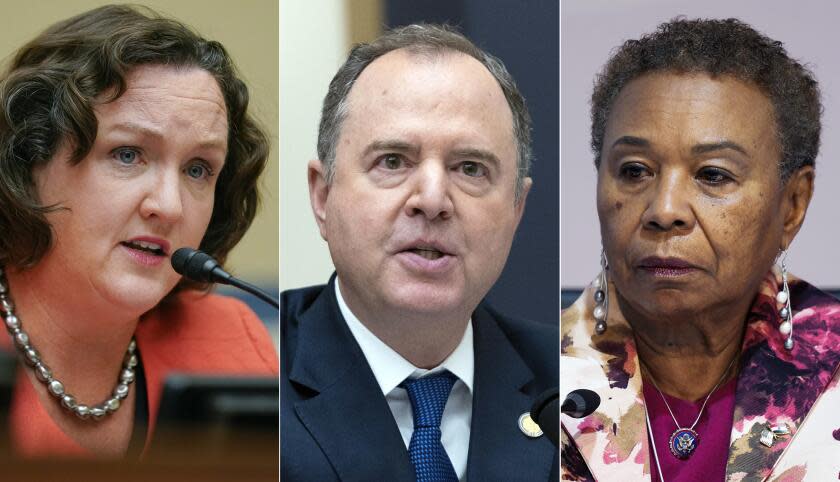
(390, 368)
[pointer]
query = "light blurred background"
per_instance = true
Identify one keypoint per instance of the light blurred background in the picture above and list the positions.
(314, 40)
(249, 32)
(591, 29)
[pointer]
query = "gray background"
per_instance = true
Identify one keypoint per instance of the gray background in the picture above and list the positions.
(591, 29)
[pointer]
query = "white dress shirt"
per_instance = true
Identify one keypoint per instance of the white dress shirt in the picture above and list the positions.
(390, 369)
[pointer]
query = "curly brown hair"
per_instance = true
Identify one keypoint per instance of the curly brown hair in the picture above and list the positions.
(47, 97)
(720, 47)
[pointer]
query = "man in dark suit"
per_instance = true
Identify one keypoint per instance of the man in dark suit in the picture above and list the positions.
(396, 369)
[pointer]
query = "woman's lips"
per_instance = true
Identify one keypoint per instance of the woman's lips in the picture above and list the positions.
(666, 267)
(144, 255)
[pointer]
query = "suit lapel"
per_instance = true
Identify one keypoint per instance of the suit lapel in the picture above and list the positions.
(348, 416)
(498, 449)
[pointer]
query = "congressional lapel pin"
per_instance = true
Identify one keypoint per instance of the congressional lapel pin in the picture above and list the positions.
(770, 434)
(528, 426)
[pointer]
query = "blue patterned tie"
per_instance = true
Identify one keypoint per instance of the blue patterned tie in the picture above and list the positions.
(428, 398)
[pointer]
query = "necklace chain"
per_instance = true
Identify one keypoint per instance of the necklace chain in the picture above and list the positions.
(703, 407)
(43, 373)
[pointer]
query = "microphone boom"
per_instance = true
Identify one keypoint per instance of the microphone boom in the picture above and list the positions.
(200, 266)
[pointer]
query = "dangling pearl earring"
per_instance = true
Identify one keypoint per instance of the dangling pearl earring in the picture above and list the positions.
(783, 298)
(602, 301)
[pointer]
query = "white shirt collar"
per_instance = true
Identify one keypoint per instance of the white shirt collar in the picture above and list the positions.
(390, 368)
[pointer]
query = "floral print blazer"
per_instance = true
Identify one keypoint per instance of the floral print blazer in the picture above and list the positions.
(799, 388)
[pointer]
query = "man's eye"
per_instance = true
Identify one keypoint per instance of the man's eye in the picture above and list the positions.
(391, 161)
(633, 171)
(473, 169)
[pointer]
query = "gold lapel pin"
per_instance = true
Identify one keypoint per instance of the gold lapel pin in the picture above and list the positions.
(528, 426)
(770, 434)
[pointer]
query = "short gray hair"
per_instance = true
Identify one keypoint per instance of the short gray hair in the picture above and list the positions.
(424, 39)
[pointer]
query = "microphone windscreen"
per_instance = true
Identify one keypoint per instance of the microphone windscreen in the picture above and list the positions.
(179, 259)
(580, 403)
(193, 264)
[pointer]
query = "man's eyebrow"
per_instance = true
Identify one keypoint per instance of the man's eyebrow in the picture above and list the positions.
(396, 145)
(477, 154)
(632, 141)
(400, 146)
(718, 146)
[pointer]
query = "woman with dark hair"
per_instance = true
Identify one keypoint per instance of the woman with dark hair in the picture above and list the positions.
(710, 360)
(124, 136)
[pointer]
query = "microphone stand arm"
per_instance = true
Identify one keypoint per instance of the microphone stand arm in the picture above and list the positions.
(224, 278)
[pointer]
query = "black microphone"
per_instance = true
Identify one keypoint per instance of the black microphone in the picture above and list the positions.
(199, 266)
(580, 403)
(544, 412)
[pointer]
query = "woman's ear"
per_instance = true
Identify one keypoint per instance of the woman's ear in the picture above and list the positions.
(797, 196)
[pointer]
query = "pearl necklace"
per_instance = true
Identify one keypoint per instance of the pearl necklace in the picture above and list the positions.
(684, 440)
(43, 373)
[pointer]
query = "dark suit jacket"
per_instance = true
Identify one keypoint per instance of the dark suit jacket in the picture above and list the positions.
(336, 425)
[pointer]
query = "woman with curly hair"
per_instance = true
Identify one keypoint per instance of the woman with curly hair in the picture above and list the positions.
(710, 360)
(123, 137)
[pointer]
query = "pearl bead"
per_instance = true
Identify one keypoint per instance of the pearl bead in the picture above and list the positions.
(131, 361)
(56, 388)
(112, 404)
(600, 327)
(82, 411)
(97, 412)
(121, 391)
(782, 297)
(600, 313)
(597, 282)
(785, 328)
(22, 339)
(12, 322)
(127, 376)
(784, 313)
(68, 401)
(31, 356)
(789, 344)
(599, 296)
(42, 372)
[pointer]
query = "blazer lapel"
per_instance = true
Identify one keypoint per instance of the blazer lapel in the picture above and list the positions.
(777, 386)
(348, 416)
(498, 449)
